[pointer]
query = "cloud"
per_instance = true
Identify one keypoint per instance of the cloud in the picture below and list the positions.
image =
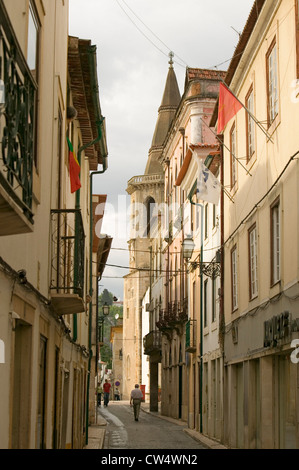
(132, 72)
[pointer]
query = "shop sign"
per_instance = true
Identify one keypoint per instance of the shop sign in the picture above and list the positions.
(277, 328)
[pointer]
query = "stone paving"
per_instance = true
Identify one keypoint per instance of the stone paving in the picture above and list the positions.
(96, 432)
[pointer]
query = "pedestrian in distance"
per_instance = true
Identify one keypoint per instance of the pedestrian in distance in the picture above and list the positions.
(116, 395)
(99, 392)
(106, 388)
(135, 400)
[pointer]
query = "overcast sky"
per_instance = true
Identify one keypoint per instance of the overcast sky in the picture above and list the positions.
(133, 39)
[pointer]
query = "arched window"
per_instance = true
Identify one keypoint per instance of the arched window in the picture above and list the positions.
(128, 367)
(150, 205)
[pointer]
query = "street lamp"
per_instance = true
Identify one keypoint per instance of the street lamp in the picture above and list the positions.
(188, 247)
(106, 309)
(105, 313)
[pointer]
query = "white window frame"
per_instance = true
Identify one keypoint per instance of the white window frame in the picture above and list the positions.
(275, 242)
(253, 274)
(234, 272)
(272, 77)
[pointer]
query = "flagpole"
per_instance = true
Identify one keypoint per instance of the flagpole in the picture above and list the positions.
(222, 143)
(247, 110)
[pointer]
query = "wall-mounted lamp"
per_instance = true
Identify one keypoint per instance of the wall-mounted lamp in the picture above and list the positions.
(208, 268)
(188, 247)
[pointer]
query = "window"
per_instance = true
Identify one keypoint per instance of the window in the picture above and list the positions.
(214, 216)
(33, 64)
(214, 296)
(206, 220)
(205, 306)
(275, 242)
(253, 281)
(272, 82)
(297, 35)
(233, 163)
(250, 125)
(234, 273)
(33, 38)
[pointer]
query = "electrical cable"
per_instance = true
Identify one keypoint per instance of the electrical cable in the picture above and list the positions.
(140, 30)
(182, 60)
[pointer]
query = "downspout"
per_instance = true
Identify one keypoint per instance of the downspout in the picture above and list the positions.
(104, 153)
(201, 312)
(100, 172)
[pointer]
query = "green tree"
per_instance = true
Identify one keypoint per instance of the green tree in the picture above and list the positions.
(105, 298)
(115, 315)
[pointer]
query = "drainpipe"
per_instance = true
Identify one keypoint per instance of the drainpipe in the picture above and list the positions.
(92, 174)
(99, 139)
(201, 311)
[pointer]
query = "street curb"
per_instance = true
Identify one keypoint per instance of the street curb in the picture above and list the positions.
(207, 442)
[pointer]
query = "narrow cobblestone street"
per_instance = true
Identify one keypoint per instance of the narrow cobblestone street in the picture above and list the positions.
(150, 432)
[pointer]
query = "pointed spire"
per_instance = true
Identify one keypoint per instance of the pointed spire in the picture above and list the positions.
(170, 101)
(171, 55)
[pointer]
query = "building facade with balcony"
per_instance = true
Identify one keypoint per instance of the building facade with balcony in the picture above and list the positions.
(145, 245)
(260, 241)
(46, 275)
(204, 341)
(188, 140)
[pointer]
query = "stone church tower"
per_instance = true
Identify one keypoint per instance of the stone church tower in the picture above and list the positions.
(147, 197)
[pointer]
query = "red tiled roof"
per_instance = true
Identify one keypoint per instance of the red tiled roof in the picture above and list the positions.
(207, 74)
(188, 157)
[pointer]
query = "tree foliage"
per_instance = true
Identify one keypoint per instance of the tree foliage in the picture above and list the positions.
(109, 321)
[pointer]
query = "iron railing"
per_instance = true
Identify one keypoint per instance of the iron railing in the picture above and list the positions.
(152, 342)
(17, 118)
(68, 247)
(175, 314)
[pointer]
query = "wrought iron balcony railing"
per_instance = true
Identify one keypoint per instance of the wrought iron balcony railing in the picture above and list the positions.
(174, 316)
(152, 342)
(67, 260)
(17, 128)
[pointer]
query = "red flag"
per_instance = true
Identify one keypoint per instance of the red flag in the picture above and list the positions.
(228, 106)
(74, 168)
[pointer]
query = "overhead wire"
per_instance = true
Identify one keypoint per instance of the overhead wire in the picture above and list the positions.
(182, 60)
(140, 30)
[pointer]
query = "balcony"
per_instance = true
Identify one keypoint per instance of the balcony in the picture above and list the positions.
(67, 261)
(173, 317)
(17, 133)
(191, 336)
(139, 182)
(152, 342)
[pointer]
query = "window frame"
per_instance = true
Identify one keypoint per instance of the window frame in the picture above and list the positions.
(275, 264)
(297, 35)
(250, 125)
(205, 305)
(234, 277)
(270, 115)
(233, 163)
(253, 267)
(33, 12)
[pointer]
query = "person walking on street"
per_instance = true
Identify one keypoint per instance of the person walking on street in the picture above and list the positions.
(100, 391)
(135, 400)
(116, 395)
(106, 388)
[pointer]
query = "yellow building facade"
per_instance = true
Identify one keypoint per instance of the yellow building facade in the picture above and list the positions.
(260, 159)
(46, 278)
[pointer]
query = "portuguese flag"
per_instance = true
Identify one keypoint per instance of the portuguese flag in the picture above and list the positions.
(74, 169)
(227, 108)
